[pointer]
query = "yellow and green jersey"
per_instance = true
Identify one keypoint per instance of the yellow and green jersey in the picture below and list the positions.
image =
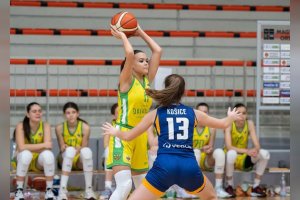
(113, 122)
(35, 138)
(38, 136)
(201, 138)
(133, 104)
(239, 138)
(73, 138)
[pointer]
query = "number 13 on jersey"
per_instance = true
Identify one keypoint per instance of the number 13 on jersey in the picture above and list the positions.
(183, 128)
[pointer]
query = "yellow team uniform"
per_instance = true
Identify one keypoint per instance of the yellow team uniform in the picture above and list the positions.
(133, 105)
(239, 139)
(35, 138)
(201, 139)
(113, 122)
(73, 139)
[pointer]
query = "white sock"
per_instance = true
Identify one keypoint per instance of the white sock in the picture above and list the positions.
(230, 182)
(64, 181)
(49, 184)
(256, 183)
(88, 176)
(219, 183)
(20, 184)
(108, 184)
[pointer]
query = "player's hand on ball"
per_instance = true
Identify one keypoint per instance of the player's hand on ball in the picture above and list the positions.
(138, 31)
(117, 34)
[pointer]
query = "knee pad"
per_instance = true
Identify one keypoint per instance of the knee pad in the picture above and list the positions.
(86, 153)
(24, 158)
(197, 153)
(137, 179)
(219, 157)
(70, 152)
(262, 162)
(231, 156)
(86, 156)
(46, 159)
(68, 157)
(123, 183)
(264, 154)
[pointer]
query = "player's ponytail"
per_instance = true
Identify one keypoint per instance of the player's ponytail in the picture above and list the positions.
(26, 128)
(172, 93)
(80, 119)
(14, 136)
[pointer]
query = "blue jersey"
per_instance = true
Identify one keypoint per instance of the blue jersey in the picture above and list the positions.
(175, 126)
(175, 162)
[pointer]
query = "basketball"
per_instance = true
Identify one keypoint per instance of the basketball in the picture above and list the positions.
(39, 183)
(125, 22)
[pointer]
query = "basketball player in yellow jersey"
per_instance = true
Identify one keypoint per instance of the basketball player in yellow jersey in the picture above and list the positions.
(137, 72)
(206, 156)
(240, 156)
(33, 151)
(73, 138)
(108, 172)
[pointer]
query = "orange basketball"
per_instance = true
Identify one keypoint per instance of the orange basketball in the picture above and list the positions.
(39, 183)
(125, 22)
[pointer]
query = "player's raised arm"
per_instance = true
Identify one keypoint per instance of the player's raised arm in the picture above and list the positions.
(206, 120)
